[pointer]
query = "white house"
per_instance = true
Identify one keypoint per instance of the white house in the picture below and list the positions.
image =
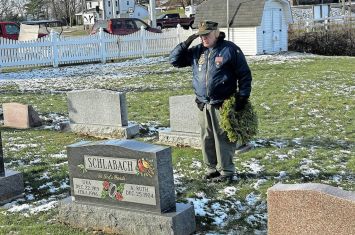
(256, 26)
(124, 9)
(112, 9)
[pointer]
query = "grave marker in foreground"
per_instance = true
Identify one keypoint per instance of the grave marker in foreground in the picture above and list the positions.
(310, 209)
(11, 182)
(126, 187)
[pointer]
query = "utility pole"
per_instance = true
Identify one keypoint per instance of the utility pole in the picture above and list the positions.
(152, 13)
(228, 19)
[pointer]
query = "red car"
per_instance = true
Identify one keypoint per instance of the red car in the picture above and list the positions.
(122, 26)
(9, 30)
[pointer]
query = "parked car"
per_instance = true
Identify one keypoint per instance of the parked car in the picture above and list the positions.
(172, 20)
(9, 30)
(122, 26)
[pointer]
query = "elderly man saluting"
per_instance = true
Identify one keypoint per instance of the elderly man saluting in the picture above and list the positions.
(220, 70)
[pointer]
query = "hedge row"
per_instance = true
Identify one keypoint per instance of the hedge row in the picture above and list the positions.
(325, 41)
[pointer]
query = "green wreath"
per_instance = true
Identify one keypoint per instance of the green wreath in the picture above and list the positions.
(240, 126)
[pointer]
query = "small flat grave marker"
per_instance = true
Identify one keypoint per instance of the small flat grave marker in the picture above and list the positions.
(20, 116)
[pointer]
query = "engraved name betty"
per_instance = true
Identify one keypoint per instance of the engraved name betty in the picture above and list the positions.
(142, 194)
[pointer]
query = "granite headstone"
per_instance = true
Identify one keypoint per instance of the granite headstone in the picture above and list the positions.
(310, 209)
(185, 129)
(100, 113)
(128, 179)
(20, 116)
(11, 182)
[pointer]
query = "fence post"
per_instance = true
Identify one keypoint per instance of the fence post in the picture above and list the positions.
(178, 33)
(54, 43)
(102, 46)
(143, 42)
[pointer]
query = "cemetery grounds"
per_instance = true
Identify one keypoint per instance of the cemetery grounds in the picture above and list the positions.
(306, 110)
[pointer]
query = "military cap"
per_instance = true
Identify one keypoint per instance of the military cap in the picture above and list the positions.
(205, 27)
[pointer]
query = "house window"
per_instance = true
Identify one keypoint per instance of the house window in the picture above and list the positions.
(127, 3)
(116, 3)
(117, 12)
(109, 3)
(90, 5)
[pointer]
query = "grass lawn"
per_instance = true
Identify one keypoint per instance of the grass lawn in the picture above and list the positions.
(306, 115)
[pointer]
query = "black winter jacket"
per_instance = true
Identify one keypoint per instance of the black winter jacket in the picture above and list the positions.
(218, 72)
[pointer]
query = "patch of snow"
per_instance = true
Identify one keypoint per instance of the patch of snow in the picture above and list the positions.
(265, 106)
(253, 165)
(64, 185)
(196, 164)
(38, 160)
(282, 156)
(252, 199)
(258, 183)
(58, 155)
(337, 178)
(30, 197)
(199, 205)
(20, 208)
(282, 175)
(44, 207)
(229, 191)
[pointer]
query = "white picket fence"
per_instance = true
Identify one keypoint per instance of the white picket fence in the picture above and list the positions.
(54, 50)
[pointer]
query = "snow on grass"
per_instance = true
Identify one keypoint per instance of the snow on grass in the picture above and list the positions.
(258, 183)
(253, 165)
(32, 209)
(200, 205)
(230, 191)
(250, 209)
(74, 77)
(196, 164)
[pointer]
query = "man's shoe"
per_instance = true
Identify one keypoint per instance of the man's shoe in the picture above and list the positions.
(223, 178)
(211, 175)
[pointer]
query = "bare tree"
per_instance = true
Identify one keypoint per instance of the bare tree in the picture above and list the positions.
(5, 8)
(66, 9)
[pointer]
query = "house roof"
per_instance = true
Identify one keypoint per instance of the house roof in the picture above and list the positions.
(242, 13)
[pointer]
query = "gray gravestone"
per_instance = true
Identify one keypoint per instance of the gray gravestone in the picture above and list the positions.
(100, 113)
(128, 181)
(11, 182)
(185, 130)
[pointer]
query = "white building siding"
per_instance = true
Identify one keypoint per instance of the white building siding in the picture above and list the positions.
(140, 12)
(244, 37)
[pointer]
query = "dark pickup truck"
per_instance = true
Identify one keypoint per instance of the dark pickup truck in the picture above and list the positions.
(172, 20)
